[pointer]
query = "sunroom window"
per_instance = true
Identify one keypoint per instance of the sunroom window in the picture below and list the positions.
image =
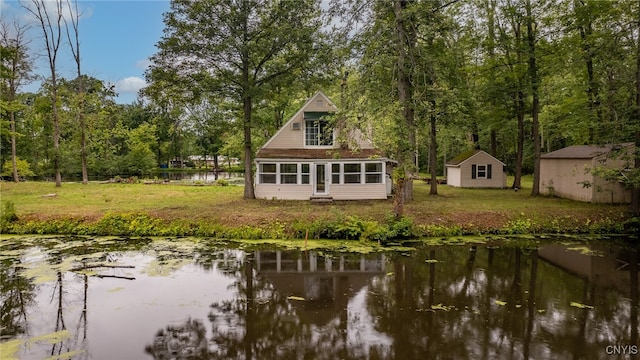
(335, 173)
(288, 173)
(267, 173)
(352, 173)
(305, 174)
(373, 173)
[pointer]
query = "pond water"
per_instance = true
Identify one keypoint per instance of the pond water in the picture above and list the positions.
(107, 298)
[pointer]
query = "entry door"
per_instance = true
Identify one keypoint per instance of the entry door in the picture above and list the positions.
(320, 187)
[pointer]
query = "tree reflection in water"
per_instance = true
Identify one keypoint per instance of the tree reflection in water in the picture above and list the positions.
(185, 341)
(509, 302)
(16, 294)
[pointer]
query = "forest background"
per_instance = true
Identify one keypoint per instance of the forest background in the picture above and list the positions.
(426, 79)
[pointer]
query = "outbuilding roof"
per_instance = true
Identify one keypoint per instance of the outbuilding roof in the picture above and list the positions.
(583, 151)
(456, 161)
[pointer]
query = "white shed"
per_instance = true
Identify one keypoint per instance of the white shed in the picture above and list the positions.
(476, 169)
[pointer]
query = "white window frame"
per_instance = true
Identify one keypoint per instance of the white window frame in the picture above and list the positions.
(282, 174)
(485, 170)
(261, 173)
(344, 173)
(380, 173)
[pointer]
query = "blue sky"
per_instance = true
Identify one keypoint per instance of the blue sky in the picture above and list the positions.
(117, 37)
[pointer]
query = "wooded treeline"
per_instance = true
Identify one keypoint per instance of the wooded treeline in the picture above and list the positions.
(427, 79)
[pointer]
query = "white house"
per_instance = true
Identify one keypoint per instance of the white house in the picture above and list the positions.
(304, 160)
(476, 169)
(567, 173)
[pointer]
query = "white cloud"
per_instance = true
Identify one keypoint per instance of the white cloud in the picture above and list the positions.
(142, 64)
(130, 84)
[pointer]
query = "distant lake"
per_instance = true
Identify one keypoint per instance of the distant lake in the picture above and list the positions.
(204, 176)
(113, 298)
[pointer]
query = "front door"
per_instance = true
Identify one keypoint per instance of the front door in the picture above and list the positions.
(320, 186)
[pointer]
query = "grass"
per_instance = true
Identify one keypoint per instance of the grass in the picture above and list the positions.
(456, 211)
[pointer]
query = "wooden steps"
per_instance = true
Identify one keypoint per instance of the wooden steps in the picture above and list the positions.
(321, 199)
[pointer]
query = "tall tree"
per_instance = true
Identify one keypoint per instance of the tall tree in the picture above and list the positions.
(229, 49)
(635, 186)
(406, 39)
(15, 71)
(534, 77)
(73, 36)
(49, 15)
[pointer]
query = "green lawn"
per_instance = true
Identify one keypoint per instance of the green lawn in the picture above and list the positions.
(473, 210)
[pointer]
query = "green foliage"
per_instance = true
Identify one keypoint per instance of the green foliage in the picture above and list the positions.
(127, 224)
(521, 225)
(222, 182)
(8, 216)
(23, 167)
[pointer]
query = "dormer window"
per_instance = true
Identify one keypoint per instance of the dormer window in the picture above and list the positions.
(317, 129)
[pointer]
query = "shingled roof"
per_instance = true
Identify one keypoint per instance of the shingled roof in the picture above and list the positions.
(583, 151)
(462, 157)
(334, 153)
(466, 156)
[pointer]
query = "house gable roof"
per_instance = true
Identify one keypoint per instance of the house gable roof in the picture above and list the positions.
(280, 145)
(583, 151)
(315, 97)
(467, 155)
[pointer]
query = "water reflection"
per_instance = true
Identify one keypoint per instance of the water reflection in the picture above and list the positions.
(105, 298)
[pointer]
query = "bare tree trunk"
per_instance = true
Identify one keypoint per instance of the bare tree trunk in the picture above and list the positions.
(535, 107)
(14, 161)
(249, 192)
(517, 179)
(75, 50)
(635, 191)
(52, 32)
(406, 157)
(433, 154)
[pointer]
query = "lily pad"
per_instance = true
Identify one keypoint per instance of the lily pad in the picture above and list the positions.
(580, 306)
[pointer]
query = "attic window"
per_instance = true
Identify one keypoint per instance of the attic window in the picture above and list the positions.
(296, 126)
(317, 129)
(319, 103)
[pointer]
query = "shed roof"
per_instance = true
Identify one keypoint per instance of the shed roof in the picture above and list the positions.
(583, 151)
(456, 161)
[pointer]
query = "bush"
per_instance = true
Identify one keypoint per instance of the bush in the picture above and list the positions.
(8, 215)
(24, 169)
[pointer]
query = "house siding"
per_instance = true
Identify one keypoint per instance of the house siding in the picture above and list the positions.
(289, 138)
(358, 191)
(284, 191)
(337, 191)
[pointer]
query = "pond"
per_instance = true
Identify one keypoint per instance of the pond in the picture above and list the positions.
(110, 298)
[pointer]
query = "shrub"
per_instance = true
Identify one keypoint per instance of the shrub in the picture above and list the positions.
(24, 170)
(8, 215)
